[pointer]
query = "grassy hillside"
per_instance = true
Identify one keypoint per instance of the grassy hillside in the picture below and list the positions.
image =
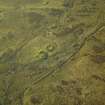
(52, 52)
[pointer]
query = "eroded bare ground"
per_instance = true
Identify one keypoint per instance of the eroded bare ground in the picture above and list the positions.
(52, 52)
